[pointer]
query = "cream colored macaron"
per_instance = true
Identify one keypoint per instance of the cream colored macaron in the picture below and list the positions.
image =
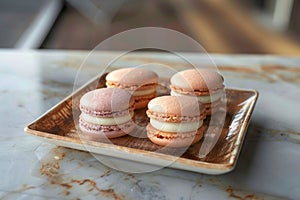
(175, 121)
(206, 85)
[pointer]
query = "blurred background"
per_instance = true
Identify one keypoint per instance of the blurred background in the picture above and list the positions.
(221, 26)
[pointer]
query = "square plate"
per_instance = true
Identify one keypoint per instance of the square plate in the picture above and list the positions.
(58, 126)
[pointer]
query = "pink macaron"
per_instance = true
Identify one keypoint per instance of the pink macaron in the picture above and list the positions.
(106, 113)
(206, 85)
(175, 121)
(141, 83)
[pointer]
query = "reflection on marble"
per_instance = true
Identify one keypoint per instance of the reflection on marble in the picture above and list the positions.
(33, 81)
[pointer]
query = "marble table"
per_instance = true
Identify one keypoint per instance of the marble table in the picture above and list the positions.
(34, 81)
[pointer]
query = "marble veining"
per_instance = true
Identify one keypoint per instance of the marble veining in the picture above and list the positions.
(33, 81)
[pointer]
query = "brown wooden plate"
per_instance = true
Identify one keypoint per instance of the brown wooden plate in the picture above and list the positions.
(58, 125)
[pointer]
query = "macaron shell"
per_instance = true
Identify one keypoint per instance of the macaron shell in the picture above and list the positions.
(105, 101)
(95, 131)
(177, 106)
(175, 118)
(129, 87)
(142, 101)
(198, 80)
(93, 135)
(132, 76)
(195, 92)
(164, 139)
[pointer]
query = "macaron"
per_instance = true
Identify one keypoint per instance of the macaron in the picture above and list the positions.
(206, 85)
(175, 121)
(106, 113)
(141, 83)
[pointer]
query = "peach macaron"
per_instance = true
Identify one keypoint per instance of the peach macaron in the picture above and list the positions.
(141, 83)
(206, 85)
(175, 121)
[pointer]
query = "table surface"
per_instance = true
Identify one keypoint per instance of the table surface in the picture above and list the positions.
(34, 81)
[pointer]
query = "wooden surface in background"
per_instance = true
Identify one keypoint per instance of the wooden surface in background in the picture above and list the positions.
(219, 26)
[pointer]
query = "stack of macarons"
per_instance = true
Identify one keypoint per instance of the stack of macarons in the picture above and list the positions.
(176, 120)
(141, 83)
(205, 84)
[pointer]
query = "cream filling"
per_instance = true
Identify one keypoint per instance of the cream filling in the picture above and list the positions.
(106, 121)
(176, 127)
(202, 99)
(143, 92)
